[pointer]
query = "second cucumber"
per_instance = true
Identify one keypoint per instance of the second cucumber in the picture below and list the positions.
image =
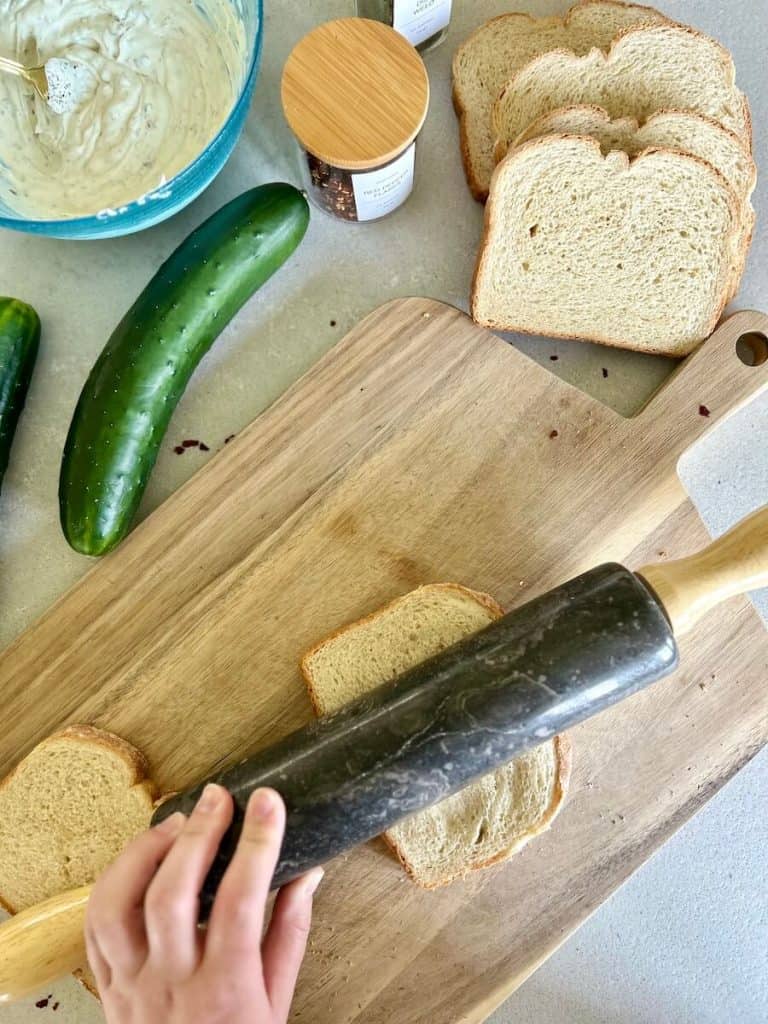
(127, 402)
(19, 342)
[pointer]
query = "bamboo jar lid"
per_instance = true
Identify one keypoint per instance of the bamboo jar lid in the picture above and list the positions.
(355, 93)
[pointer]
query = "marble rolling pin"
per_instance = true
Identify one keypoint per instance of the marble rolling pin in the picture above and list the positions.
(537, 671)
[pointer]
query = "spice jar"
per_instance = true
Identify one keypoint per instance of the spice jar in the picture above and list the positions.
(424, 23)
(355, 94)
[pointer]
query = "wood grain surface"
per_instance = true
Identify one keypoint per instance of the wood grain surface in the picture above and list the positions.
(421, 448)
(355, 93)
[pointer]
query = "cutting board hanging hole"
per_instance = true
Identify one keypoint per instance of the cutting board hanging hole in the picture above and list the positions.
(752, 348)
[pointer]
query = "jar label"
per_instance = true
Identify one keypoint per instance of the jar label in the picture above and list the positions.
(418, 20)
(383, 190)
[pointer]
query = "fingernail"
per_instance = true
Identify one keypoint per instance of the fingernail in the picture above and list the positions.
(262, 805)
(312, 880)
(173, 823)
(209, 799)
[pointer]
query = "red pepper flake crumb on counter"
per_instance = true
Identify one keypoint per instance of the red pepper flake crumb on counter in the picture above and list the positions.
(55, 1006)
(703, 410)
(42, 1003)
(333, 323)
(554, 358)
(605, 373)
(552, 434)
(192, 443)
(230, 438)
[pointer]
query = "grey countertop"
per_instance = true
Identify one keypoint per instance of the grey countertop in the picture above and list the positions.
(685, 939)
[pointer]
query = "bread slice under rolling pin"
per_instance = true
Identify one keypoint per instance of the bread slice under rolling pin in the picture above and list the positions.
(492, 818)
(66, 811)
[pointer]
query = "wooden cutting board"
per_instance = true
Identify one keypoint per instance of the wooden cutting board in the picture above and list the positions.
(421, 448)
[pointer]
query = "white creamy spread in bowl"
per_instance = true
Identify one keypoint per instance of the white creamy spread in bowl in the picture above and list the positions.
(156, 79)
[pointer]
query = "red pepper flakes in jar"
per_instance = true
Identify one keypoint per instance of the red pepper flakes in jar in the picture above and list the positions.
(355, 94)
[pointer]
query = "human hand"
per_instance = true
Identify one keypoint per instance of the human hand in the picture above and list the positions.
(152, 963)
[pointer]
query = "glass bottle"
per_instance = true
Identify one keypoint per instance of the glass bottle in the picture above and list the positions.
(424, 23)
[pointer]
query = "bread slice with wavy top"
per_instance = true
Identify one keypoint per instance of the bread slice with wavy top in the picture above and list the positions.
(633, 253)
(488, 820)
(667, 129)
(660, 67)
(66, 811)
(498, 49)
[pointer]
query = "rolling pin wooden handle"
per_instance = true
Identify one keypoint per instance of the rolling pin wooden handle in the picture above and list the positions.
(735, 563)
(41, 944)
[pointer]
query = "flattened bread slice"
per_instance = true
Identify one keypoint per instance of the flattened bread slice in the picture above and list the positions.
(488, 820)
(66, 811)
(634, 253)
(661, 67)
(498, 49)
(667, 129)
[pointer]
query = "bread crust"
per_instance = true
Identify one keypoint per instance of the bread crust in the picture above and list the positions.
(134, 760)
(609, 55)
(483, 599)
(534, 129)
(739, 254)
(562, 744)
(462, 113)
(132, 756)
(564, 758)
(479, 193)
(539, 128)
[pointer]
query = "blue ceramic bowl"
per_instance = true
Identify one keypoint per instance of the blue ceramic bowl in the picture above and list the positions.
(181, 189)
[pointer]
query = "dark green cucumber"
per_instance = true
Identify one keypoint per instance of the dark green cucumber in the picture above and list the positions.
(19, 342)
(133, 389)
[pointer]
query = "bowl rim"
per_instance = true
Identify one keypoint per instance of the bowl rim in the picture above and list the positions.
(131, 210)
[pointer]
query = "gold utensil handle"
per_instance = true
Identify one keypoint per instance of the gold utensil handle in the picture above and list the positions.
(13, 67)
(41, 944)
(735, 563)
(36, 77)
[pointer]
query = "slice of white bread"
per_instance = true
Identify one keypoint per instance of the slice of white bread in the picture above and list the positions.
(667, 129)
(497, 50)
(661, 67)
(66, 811)
(491, 818)
(634, 253)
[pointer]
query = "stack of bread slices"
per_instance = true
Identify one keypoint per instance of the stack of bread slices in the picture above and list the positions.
(614, 150)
